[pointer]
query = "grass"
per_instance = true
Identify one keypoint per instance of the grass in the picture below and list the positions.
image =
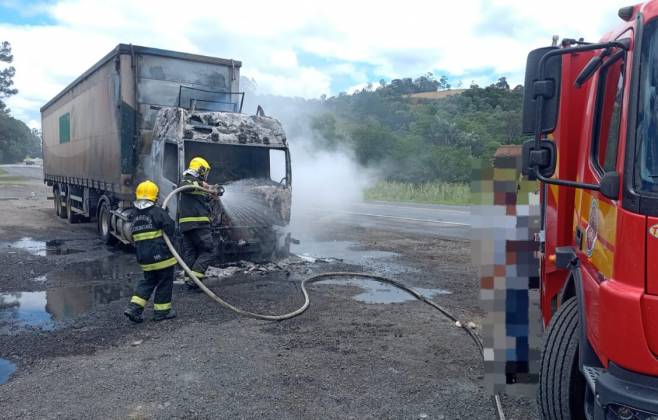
(429, 192)
(9, 179)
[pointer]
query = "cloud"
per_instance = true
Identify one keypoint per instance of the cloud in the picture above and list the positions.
(296, 48)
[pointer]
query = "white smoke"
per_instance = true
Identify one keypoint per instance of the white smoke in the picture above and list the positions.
(325, 183)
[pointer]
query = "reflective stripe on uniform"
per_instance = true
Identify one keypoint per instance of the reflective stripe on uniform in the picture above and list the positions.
(194, 219)
(138, 300)
(198, 274)
(159, 265)
(162, 306)
(147, 235)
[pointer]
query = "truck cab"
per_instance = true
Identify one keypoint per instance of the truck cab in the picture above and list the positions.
(593, 111)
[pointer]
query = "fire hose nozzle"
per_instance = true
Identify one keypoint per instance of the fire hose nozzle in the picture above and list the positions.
(216, 189)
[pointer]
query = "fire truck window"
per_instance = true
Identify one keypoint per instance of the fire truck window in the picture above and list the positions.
(611, 93)
(646, 173)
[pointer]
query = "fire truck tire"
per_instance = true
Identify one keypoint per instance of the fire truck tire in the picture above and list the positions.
(561, 393)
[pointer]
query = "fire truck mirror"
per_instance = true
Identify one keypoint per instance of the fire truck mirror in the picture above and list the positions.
(610, 185)
(539, 156)
(543, 75)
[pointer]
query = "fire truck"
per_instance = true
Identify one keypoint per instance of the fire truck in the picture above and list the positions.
(592, 109)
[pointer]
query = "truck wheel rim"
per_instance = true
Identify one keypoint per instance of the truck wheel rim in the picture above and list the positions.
(105, 228)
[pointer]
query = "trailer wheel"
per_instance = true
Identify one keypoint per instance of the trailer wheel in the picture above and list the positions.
(562, 387)
(60, 209)
(104, 227)
(71, 216)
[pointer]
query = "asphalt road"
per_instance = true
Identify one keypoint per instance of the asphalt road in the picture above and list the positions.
(421, 219)
(30, 172)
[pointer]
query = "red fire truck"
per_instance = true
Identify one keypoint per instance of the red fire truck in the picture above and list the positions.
(593, 111)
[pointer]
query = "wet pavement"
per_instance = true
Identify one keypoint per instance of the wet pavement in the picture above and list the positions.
(381, 262)
(71, 291)
(38, 248)
(7, 368)
(375, 292)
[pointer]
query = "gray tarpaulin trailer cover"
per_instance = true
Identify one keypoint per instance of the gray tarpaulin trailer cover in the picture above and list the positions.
(96, 131)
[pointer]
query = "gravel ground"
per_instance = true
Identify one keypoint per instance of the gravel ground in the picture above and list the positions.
(341, 359)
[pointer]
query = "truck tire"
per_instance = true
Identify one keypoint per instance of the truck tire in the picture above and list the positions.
(104, 225)
(71, 216)
(57, 201)
(561, 394)
(60, 208)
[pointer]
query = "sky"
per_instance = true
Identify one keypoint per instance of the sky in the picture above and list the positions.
(294, 48)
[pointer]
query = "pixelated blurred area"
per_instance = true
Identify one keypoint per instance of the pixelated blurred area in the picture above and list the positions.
(505, 217)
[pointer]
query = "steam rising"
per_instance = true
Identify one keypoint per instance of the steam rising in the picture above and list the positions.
(323, 182)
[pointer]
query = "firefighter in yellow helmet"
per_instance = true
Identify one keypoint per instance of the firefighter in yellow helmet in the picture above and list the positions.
(194, 212)
(152, 255)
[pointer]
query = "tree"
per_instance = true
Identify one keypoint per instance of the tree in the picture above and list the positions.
(6, 76)
(443, 83)
(17, 141)
(502, 83)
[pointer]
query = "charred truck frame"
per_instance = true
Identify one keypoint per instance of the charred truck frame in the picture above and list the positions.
(593, 109)
(143, 113)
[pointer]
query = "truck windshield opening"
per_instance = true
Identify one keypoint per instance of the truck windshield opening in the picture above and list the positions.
(237, 162)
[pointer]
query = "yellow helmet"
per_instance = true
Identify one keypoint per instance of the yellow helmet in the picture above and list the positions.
(199, 165)
(147, 190)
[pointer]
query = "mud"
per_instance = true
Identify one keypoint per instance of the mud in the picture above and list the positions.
(65, 341)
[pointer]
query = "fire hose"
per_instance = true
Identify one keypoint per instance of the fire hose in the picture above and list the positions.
(313, 279)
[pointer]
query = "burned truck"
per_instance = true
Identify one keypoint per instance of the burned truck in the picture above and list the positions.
(144, 113)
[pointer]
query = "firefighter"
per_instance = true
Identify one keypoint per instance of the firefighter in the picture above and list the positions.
(152, 255)
(194, 211)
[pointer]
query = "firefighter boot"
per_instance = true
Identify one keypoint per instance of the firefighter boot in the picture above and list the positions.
(162, 315)
(134, 313)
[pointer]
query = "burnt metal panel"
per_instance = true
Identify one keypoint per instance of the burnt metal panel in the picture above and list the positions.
(127, 138)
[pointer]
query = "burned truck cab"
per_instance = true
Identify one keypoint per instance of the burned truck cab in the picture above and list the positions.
(249, 158)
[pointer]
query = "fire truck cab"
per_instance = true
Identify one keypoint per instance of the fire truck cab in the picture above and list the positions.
(593, 111)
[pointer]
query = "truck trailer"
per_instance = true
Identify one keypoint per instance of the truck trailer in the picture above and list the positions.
(593, 111)
(143, 113)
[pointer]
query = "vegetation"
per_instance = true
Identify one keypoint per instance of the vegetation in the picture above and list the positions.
(428, 192)
(17, 141)
(415, 141)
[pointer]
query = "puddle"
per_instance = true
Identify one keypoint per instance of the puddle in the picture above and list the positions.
(80, 288)
(40, 248)
(7, 368)
(351, 253)
(376, 292)
(27, 309)
(42, 309)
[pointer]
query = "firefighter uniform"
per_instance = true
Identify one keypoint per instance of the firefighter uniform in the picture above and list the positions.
(194, 223)
(154, 257)
(194, 211)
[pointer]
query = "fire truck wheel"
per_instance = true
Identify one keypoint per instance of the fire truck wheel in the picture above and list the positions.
(561, 393)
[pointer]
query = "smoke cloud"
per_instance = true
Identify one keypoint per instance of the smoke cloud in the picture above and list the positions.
(324, 182)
